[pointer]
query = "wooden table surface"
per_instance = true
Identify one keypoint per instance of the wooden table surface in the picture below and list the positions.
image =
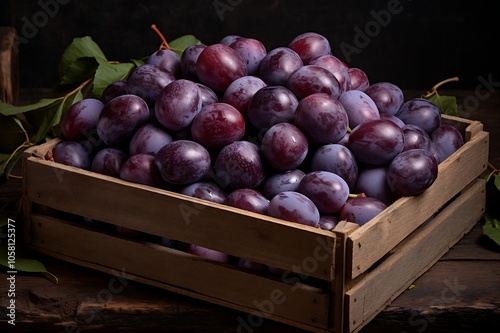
(460, 293)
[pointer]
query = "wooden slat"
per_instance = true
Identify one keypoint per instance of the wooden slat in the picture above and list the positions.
(338, 287)
(376, 238)
(414, 256)
(186, 273)
(474, 129)
(253, 236)
(41, 150)
(8, 65)
(469, 128)
(475, 247)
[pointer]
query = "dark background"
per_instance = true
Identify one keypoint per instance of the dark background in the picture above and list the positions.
(419, 44)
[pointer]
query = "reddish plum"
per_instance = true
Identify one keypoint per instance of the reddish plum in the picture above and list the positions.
(218, 65)
(311, 79)
(359, 79)
(310, 45)
(284, 146)
(218, 125)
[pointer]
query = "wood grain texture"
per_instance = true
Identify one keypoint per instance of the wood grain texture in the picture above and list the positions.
(173, 270)
(69, 191)
(459, 294)
(416, 255)
(175, 216)
(386, 230)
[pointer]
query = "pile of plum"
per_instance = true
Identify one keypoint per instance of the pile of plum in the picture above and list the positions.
(292, 132)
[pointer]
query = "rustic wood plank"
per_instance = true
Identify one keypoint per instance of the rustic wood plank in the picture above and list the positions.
(254, 236)
(375, 239)
(454, 296)
(8, 65)
(413, 257)
(152, 263)
(475, 246)
(338, 287)
(93, 301)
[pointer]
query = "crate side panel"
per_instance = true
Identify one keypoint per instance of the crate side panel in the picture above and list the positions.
(43, 150)
(338, 286)
(253, 236)
(415, 256)
(219, 281)
(248, 318)
(375, 239)
(469, 128)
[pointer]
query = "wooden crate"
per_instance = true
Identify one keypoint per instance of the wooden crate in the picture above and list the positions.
(332, 281)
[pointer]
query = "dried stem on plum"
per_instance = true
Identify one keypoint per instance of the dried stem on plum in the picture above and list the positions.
(164, 45)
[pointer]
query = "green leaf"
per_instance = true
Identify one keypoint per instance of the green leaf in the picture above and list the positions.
(491, 228)
(108, 73)
(21, 264)
(497, 182)
(43, 120)
(21, 126)
(446, 104)
(10, 110)
(4, 158)
(8, 161)
(54, 124)
(80, 70)
(47, 118)
(25, 265)
(139, 62)
(12, 133)
(83, 47)
(180, 44)
(487, 174)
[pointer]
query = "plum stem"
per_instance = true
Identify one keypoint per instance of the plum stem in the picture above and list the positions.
(439, 84)
(357, 195)
(493, 169)
(164, 45)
